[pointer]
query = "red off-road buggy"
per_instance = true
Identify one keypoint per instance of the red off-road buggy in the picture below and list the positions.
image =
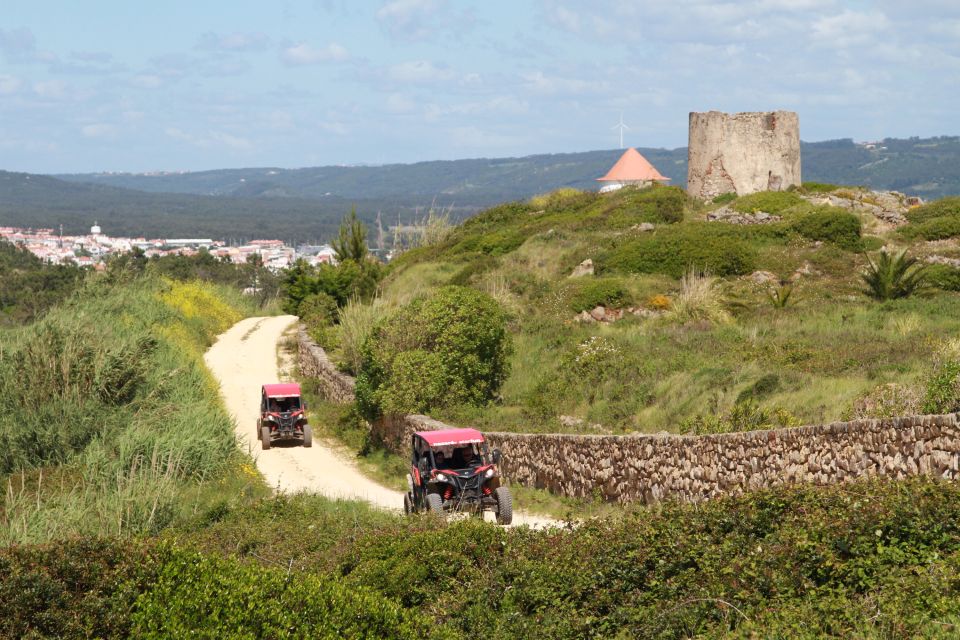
(452, 470)
(282, 416)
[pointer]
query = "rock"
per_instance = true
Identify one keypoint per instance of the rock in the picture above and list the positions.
(571, 421)
(585, 268)
(643, 226)
(584, 316)
(728, 215)
(763, 277)
(598, 313)
(936, 259)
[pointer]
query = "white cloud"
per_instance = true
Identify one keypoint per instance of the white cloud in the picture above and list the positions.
(54, 89)
(850, 28)
(147, 81)
(98, 131)
(418, 72)
(212, 139)
(301, 54)
(408, 19)
(9, 85)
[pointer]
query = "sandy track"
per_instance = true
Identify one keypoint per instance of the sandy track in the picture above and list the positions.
(243, 359)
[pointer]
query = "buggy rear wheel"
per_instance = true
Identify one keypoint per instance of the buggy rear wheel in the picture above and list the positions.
(407, 504)
(504, 505)
(265, 437)
(307, 436)
(434, 503)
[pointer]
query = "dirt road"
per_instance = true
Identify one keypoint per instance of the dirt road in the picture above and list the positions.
(243, 359)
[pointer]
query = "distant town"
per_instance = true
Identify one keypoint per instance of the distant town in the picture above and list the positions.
(94, 248)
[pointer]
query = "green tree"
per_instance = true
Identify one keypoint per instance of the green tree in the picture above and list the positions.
(351, 241)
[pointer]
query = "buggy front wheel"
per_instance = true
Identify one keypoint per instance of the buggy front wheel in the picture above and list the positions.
(307, 436)
(434, 503)
(504, 505)
(265, 437)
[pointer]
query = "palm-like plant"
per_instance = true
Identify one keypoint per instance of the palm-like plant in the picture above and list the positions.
(893, 276)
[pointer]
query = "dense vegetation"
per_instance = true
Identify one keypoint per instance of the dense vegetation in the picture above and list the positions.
(878, 559)
(108, 420)
(28, 287)
(724, 326)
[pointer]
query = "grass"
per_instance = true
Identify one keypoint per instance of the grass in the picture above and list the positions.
(107, 399)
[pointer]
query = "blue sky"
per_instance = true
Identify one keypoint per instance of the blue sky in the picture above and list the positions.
(140, 86)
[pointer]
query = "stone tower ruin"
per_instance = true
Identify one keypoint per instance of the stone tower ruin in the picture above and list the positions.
(742, 152)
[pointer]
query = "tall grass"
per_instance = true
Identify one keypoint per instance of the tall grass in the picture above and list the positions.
(109, 394)
(699, 299)
(356, 322)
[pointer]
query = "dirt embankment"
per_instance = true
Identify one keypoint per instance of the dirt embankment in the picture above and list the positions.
(243, 359)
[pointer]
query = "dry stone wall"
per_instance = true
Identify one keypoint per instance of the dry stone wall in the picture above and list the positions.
(742, 152)
(650, 468)
(314, 363)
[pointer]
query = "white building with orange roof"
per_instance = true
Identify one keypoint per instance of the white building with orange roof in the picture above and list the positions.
(631, 169)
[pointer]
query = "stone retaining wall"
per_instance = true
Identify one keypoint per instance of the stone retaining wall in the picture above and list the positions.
(314, 363)
(648, 468)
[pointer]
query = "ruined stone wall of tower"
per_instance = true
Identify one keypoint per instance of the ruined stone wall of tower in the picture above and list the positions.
(742, 152)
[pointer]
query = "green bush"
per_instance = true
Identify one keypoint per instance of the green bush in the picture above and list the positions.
(944, 208)
(944, 277)
(587, 293)
(674, 250)
(943, 387)
(818, 187)
(724, 198)
(769, 201)
(203, 596)
(318, 309)
(459, 334)
(891, 277)
(492, 243)
(830, 224)
(934, 229)
(652, 204)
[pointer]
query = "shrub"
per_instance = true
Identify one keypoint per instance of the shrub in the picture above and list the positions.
(891, 277)
(356, 323)
(944, 208)
(763, 387)
(651, 204)
(943, 277)
(744, 416)
(830, 224)
(934, 229)
(769, 201)
(660, 302)
(699, 299)
(587, 293)
(464, 333)
(724, 198)
(887, 401)
(556, 199)
(493, 243)
(943, 386)
(203, 596)
(675, 250)
(817, 187)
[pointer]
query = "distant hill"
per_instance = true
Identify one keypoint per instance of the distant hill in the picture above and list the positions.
(305, 205)
(928, 167)
(29, 200)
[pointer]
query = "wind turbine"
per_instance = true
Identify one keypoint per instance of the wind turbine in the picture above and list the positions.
(621, 126)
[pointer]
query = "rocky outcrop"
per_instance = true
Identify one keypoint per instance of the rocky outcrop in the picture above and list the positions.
(886, 206)
(742, 153)
(728, 215)
(650, 468)
(585, 268)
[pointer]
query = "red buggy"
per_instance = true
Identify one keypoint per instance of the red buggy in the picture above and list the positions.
(282, 416)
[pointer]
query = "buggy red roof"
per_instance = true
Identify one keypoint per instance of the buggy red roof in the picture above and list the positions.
(284, 390)
(451, 437)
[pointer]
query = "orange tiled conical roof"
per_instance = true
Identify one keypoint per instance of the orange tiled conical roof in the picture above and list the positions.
(632, 166)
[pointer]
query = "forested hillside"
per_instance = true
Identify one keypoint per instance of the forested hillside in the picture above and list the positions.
(927, 167)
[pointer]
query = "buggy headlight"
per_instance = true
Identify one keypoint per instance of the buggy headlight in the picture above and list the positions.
(489, 473)
(442, 477)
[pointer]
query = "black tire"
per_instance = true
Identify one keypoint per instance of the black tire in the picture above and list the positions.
(504, 505)
(407, 504)
(307, 436)
(434, 503)
(265, 437)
